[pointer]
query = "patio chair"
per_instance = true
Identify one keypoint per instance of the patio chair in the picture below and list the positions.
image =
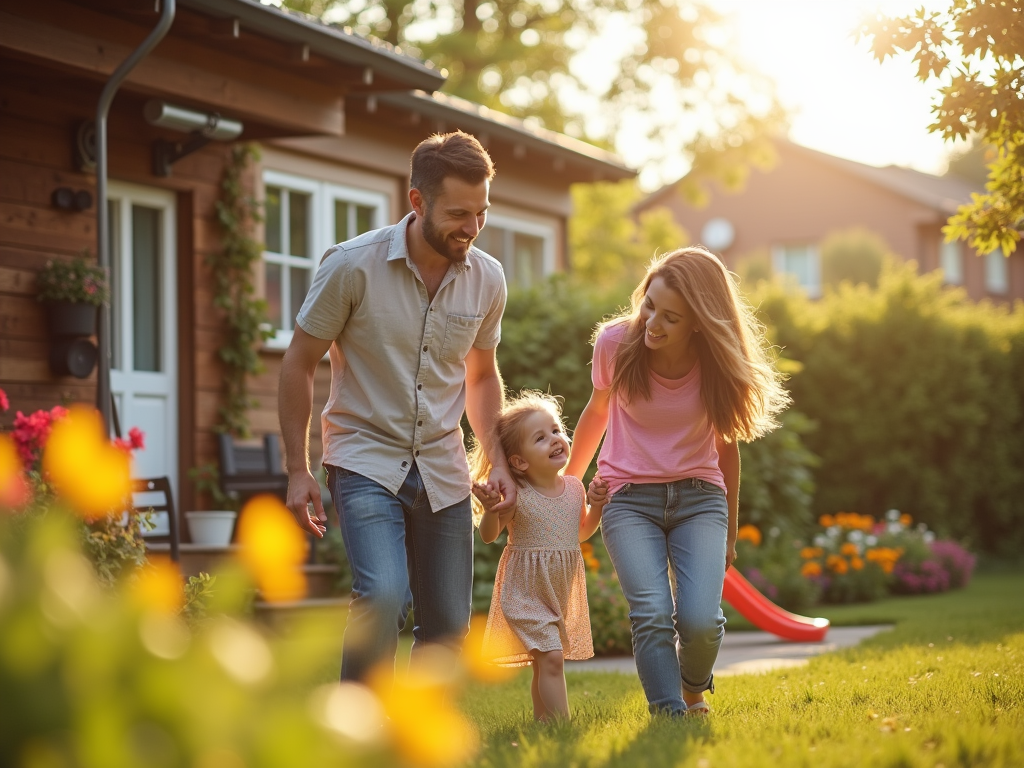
(155, 494)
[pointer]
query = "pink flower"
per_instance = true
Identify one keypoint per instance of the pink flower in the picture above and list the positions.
(4, 402)
(137, 438)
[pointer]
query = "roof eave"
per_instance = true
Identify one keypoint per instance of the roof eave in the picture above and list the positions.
(325, 41)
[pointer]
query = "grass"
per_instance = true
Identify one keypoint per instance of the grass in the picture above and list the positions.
(944, 688)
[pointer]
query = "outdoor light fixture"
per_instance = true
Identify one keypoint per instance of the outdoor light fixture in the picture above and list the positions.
(201, 127)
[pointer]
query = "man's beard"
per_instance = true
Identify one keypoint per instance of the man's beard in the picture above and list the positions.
(439, 242)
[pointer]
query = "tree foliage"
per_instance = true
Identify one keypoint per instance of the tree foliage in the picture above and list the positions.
(665, 65)
(974, 49)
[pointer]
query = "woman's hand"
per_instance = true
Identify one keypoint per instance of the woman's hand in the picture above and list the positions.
(730, 550)
(597, 492)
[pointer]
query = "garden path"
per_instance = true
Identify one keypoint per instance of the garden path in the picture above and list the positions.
(749, 652)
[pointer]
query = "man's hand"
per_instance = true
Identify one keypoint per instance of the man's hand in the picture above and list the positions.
(501, 480)
(303, 489)
(597, 492)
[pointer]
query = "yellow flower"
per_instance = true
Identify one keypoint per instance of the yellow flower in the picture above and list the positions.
(811, 568)
(273, 547)
(749, 533)
(160, 587)
(849, 548)
(826, 521)
(84, 467)
(14, 488)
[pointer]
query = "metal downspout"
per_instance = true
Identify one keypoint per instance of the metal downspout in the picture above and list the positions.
(167, 7)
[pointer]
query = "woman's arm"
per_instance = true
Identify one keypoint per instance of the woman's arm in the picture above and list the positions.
(729, 463)
(588, 434)
(590, 515)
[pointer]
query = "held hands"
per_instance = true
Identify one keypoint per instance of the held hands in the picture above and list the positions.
(303, 490)
(597, 492)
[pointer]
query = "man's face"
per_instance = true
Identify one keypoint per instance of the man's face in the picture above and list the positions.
(454, 217)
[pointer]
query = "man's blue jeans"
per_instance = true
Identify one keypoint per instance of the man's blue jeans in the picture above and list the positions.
(646, 528)
(402, 556)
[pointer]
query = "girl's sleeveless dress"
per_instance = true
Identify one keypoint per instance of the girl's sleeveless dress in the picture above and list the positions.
(540, 591)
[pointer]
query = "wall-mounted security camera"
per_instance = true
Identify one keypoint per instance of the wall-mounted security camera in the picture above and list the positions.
(201, 127)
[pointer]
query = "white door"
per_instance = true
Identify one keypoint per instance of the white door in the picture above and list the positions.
(143, 374)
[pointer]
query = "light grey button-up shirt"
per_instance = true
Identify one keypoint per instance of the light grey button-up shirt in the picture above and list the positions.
(398, 362)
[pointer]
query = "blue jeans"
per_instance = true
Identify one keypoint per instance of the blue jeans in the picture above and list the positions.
(402, 556)
(647, 527)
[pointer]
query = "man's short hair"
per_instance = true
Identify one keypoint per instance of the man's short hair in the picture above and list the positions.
(442, 155)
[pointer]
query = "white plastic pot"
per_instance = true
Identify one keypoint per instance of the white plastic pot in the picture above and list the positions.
(211, 529)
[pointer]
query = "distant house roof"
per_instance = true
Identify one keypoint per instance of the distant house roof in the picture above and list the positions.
(483, 121)
(337, 43)
(941, 193)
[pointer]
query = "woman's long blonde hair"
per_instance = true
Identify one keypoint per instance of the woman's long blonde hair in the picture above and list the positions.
(509, 427)
(740, 386)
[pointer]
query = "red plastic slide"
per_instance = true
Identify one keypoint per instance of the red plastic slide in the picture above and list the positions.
(766, 615)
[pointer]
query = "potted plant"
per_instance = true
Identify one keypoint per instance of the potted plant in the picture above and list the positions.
(73, 291)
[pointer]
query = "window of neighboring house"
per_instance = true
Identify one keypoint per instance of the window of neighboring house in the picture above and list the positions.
(801, 263)
(302, 219)
(997, 277)
(525, 249)
(951, 260)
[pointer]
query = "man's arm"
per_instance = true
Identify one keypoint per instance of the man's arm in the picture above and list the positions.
(295, 408)
(485, 394)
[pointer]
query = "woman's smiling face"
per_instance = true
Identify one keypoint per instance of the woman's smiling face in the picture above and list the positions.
(668, 319)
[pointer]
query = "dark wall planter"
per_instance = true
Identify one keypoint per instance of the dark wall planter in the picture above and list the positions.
(67, 319)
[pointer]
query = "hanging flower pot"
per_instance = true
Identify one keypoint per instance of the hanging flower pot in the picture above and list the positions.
(66, 318)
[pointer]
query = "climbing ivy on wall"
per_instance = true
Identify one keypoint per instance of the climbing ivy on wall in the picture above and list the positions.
(233, 268)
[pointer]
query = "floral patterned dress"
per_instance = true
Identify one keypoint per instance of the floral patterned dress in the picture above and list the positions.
(540, 591)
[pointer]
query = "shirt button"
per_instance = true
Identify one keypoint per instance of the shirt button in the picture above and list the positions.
(417, 453)
(424, 349)
(419, 386)
(419, 423)
(405, 464)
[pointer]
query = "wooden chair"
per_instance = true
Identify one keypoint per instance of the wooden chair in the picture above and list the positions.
(248, 470)
(151, 487)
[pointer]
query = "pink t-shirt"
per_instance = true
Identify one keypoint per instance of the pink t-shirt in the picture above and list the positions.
(666, 438)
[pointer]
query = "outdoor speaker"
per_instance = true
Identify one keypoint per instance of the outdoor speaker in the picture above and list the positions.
(73, 357)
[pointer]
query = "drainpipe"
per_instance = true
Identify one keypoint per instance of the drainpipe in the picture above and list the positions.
(103, 401)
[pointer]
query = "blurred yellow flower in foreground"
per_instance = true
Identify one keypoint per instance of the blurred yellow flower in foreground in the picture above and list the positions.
(91, 474)
(425, 728)
(273, 548)
(14, 488)
(478, 665)
(159, 587)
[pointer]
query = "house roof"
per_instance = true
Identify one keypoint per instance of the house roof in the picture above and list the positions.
(486, 122)
(941, 193)
(338, 43)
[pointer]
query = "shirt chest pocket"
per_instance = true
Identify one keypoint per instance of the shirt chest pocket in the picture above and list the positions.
(459, 334)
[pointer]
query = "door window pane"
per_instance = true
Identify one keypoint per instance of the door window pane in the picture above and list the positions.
(299, 288)
(298, 224)
(146, 303)
(996, 272)
(951, 261)
(341, 230)
(272, 215)
(364, 219)
(273, 287)
(529, 259)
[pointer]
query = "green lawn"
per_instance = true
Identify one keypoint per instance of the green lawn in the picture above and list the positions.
(944, 688)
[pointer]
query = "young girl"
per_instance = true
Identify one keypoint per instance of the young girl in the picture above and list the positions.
(539, 614)
(678, 381)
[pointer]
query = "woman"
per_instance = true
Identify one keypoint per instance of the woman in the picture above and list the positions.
(677, 382)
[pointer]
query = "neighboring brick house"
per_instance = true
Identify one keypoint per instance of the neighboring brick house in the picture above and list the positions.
(336, 117)
(787, 211)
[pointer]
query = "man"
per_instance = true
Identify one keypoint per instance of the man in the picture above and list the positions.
(411, 316)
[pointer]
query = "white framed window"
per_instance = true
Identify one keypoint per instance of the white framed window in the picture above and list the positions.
(997, 272)
(801, 263)
(526, 249)
(951, 260)
(303, 218)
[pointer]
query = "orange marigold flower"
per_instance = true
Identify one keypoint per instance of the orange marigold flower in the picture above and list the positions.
(849, 548)
(808, 553)
(867, 522)
(826, 521)
(749, 533)
(840, 566)
(887, 566)
(811, 568)
(906, 520)
(856, 563)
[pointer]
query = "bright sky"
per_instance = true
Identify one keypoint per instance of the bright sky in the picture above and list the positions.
(843, 102)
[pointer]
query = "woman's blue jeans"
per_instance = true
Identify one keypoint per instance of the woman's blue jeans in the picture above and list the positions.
(648, 527)
(402, 556)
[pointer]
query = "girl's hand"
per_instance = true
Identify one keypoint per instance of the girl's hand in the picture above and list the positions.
(597, 493)
(487, 494)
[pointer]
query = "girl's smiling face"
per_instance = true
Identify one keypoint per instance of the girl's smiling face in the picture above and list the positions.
(669, 322)
(544, 447)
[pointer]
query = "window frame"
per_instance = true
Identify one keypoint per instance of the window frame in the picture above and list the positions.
(779, 261)
(513, 225)
(947, 252)
(1000, 286)
(321, 232)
